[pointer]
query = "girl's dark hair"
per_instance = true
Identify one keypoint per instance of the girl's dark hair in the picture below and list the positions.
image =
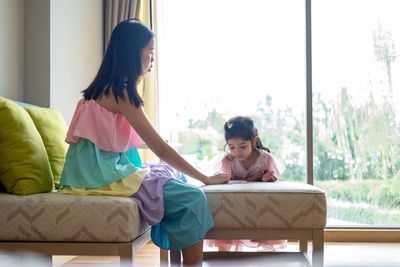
(242, 127)
(122, 63)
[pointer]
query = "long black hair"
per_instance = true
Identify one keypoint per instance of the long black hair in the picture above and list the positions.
(242, 127)
(122, 63)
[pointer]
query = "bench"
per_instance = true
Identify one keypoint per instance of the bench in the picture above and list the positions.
(260, 210)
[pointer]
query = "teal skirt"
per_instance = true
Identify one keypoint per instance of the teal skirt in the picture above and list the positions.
(187, 217)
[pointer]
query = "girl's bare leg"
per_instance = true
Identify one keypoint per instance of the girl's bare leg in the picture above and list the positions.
(193, 255)
(176, 258)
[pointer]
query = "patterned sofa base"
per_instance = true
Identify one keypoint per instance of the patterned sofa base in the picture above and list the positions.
(58, 224)
(281, 210)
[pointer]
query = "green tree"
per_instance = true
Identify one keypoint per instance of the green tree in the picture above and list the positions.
(385, 52)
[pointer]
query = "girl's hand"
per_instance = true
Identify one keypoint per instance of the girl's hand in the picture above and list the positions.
(269, 177)
(255, 177)
(219, 178)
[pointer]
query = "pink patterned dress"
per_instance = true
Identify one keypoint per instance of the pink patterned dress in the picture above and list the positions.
(233, 167)
(265, 162)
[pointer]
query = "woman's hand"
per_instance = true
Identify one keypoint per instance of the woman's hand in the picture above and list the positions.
(255, 177)
(219, 178)
(264, 176)
(269, 177)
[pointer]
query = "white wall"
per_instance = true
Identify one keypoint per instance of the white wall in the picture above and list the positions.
(37, 52)
(11, 48)
(50, 50)
(76, 50)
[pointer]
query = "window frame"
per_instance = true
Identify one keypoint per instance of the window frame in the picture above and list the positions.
(332, 233)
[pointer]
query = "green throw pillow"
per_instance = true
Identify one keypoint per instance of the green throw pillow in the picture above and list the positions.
(53, 130)
(24, 165)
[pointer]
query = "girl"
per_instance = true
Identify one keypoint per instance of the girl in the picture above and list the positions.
(247, 160)
(107, 127)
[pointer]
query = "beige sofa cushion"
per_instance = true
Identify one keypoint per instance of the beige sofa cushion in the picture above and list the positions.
(258, 205)
(60, 217)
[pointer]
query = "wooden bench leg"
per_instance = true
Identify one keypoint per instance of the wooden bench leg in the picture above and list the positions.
(303, 245)
(164, 258)
(318, 248)
(126, 255)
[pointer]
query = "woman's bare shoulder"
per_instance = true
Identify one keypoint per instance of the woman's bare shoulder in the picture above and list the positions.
(110, 103)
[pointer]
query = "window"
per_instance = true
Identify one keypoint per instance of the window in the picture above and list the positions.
(219, 59)
(356, 91)
(222, 58)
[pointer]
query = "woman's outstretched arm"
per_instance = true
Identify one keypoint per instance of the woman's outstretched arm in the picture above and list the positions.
(139, 121)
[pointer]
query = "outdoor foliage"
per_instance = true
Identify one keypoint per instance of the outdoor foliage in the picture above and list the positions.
(356, 145)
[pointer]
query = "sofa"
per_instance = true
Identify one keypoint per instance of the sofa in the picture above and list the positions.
(34, 217)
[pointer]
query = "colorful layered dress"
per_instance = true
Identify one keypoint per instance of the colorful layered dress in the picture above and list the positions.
(103, 159)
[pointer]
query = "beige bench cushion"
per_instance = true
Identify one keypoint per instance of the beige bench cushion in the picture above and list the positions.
(61, 217)
(261, 205)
